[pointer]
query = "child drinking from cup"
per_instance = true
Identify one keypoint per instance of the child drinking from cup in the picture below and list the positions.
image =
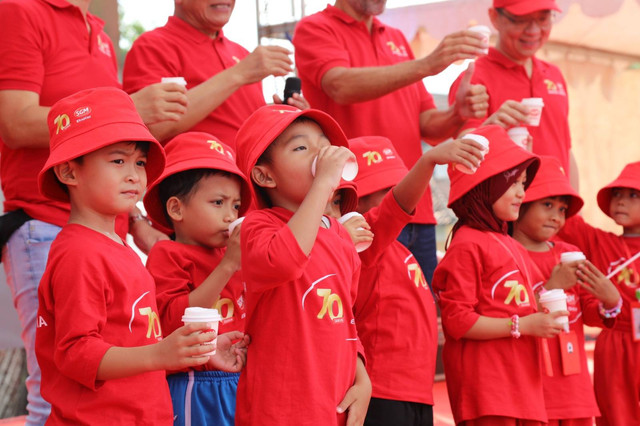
(548, 201)
(200, 193)
(617, 354)
(395, 311)
(99, 341)
(484, 287)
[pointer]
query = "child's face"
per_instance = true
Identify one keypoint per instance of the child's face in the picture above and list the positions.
(333, 206)
(112, 179)
(206, 214)
(543, 219)
(625, 207)
(291, 159)
(372, 200)
(507, 207)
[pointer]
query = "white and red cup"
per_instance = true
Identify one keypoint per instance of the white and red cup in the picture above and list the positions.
(178, 80)
(535, 106)
(556, 300)
(572, 256)
(520, 136)
(349, 172)
(203, 315)
(482, 141)
(486, 34)
(361, 246)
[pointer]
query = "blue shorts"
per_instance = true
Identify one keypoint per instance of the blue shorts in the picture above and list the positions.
(202, 398)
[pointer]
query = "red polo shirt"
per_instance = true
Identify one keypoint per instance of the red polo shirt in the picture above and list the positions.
(332, 38)
(504, 80)
(45, 48)
(178, 49)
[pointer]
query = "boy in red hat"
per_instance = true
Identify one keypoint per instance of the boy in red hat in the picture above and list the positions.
(484, 288)
(99, 340)
(395, 311)
(549, 200)
(617, 354)
(301, 277)
(200, 193)
(343, 202)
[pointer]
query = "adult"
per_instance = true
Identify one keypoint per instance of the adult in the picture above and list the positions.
(364, 74)
(50, 49)
(223, 78)
(511, 72)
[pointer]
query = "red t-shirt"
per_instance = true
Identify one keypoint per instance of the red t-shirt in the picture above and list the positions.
(178, 269)
(395, 312)
(304, 343)
(95, 294)
(489, 274)
(332, 38)
(45, 48)
(178, 49)
(606, 251)
(504, 80)
(567, 397)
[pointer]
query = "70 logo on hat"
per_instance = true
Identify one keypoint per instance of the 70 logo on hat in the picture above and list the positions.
(216, 146)
(62, 122)
(373, 157)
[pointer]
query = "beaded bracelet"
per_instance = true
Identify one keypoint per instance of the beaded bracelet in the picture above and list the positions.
(610, 313)
(515, 326)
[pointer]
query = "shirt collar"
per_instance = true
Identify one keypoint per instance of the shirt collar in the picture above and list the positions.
(333, 11)
(189, 32)
(498, 57)
(59, 3)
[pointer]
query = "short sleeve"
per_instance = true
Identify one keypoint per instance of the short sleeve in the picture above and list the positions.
(146, 63)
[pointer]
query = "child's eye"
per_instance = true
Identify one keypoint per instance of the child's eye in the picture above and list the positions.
(300, 148)
(633, 194)
(563, 209)
(615, 193)
(547, 204)
(237, 206)
(118, 161)
(217, 202)
(141, 163)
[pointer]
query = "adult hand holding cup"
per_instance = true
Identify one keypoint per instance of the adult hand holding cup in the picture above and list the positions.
(535, 106)
(486, 34)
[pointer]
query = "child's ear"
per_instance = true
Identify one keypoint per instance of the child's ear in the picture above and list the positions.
(65, 172)
(261, 175)
(174, 209)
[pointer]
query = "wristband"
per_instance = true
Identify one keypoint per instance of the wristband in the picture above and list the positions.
(515, 326)
(610, 313)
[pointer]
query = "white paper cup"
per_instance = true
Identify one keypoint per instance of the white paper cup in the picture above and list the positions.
(556, 300)
(535, 106)
(519, 135)
(235, 223)
(482, 141)
(486, 34)
(362, 246)
(572, 256)
(209, 316)
(177, 80)
(349, 172)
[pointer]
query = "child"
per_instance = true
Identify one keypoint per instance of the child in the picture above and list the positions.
(548, 201)
(199, 194)
(99, 342)
(301, 278)
(395, 311)
(483, 285)
(617, 354)
(345, 200)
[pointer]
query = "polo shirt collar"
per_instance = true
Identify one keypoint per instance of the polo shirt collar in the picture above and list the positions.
(333, 11)
(187, 31)
(59, 3)
(496, 56)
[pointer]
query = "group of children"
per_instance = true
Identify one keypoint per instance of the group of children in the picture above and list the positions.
(313, 332)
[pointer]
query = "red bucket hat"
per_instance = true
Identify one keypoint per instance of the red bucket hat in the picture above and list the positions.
(87, 121)
(551, 181)
(503, 155)
(194, 150)
(629, 178)
(379, 165)
(266, 124)
(524, 7)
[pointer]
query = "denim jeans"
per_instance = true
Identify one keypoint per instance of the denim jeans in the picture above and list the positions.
(24, 258)
(421, 241)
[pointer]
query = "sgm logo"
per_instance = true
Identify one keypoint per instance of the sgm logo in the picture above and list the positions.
(82, 111)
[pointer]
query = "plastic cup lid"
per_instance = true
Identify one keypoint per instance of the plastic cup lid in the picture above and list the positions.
(178, 80)
(517, 131)
(555, 294)
(533, 101)
(196, 314)
(572, 256)
(478, 138)
(348, 216)
(480, 29)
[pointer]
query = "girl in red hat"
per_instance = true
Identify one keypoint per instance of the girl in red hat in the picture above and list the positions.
(617, 353)
(484, 287)
(549, 200)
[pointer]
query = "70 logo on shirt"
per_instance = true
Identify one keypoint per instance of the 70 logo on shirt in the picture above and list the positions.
(517, 292)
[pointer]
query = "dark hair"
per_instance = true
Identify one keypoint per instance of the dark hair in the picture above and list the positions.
(184, 184)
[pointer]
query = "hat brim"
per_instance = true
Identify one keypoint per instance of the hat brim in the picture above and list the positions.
(155, 208)
(525, 8)
(604, 195)
(101, 137)
(556, 189)
(373, 183)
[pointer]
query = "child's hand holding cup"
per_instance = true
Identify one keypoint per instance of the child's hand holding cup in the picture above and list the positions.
(202, 315)
(556, 300)
(349, 172)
